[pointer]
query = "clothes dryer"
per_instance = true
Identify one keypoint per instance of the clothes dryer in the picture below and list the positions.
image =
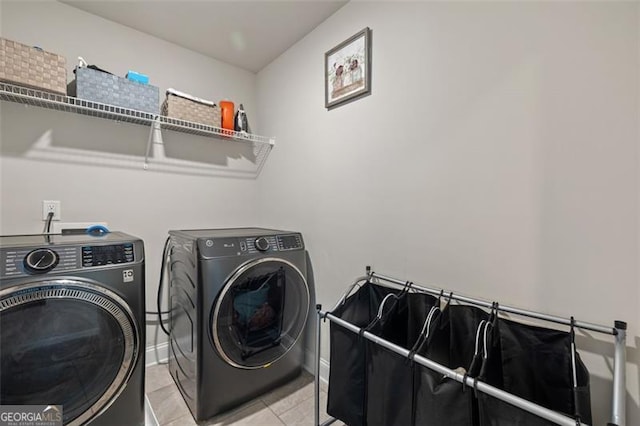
(72, 326)
(239, 301)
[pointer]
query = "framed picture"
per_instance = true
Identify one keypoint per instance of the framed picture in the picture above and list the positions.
(347, 70)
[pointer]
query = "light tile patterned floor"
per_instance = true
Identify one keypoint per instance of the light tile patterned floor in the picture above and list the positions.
(288, 405)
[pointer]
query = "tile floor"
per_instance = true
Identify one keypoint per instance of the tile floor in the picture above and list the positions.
(288, 405)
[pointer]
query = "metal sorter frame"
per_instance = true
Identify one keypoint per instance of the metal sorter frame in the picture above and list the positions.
(618, 417)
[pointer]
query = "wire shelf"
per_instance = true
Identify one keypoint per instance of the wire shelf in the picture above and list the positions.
(200, 129)
(28, 96)
(24, 95)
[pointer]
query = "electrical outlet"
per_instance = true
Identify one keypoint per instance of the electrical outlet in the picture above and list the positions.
(51, 206)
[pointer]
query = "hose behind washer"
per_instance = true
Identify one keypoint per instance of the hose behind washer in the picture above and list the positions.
(159, 298)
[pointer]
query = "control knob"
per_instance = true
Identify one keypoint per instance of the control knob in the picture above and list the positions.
(262, 244)
(40, 260)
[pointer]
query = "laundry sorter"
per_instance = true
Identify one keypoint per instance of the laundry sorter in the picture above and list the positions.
(492, 371)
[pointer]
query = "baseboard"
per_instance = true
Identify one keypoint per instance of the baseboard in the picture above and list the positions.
(160, 354)
(150, 418)
(309, 365)
(157, 354)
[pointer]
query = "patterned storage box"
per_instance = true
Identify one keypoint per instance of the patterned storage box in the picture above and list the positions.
(29, 66)
(189, 110)
(98, 86)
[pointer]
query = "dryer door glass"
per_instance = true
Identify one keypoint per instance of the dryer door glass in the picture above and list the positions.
(65, 343)
(260, 313)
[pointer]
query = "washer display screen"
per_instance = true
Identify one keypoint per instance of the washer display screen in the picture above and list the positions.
(107, 255)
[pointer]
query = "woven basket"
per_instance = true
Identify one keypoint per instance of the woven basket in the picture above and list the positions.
(98, 86)
(32, 67)
(188, 110)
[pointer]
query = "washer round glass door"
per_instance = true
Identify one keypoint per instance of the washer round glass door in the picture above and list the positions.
(65, 342)
(260, 313)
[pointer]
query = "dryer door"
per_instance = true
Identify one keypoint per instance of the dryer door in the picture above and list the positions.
(65, 342)
(260, 313)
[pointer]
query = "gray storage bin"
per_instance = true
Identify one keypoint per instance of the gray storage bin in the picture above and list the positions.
(97, 86)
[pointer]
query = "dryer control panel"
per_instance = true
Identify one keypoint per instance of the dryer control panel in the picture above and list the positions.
(270, 243)
(289, 242)
(236, 246)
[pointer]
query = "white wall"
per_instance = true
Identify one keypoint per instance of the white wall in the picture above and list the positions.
(143, 203)
(496, 156)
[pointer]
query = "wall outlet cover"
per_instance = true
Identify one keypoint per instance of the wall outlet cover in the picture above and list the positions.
(51, 206)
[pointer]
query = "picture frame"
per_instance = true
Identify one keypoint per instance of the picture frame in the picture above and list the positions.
(347, 70)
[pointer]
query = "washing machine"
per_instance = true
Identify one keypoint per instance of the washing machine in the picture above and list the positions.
(72, 326)
(239, 301)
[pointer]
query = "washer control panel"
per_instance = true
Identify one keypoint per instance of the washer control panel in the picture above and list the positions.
(16, 262)
(107, 255)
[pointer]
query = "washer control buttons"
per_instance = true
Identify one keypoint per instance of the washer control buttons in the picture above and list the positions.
(262, 244)
(107, 255)
(40, 260)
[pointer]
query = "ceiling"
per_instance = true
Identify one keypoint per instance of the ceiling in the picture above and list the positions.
(247, 34)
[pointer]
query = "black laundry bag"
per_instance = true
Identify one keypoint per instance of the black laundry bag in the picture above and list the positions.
(438, 400)
(494, 412)
(347, 373)
(535, 363)
(389, 399)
